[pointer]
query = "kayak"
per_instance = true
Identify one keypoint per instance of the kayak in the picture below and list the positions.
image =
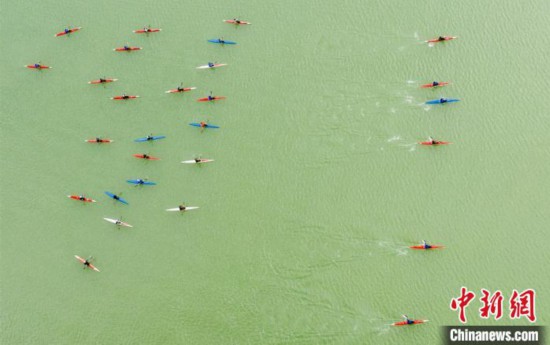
(77, 197)
(215, 98)
(206, 125)
(447, 38)
(441, 83)
(143, 31)
(216, 65)
(83, 261)
(150, 138)
(185, 89)
(233, 21)
(118, 222)
(192, 161)
(137, 155)
(122, 49)
(217, 40)
(63, 33)
(438, 101)
(421, 247)
(404, 323)
(98, 81)
(141, 182)
(121, 98)
(187, 208)
(437, 142)
(100, 141)
(117, 198)
(40, 67)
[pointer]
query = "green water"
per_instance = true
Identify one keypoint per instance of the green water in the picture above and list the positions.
(317, 188)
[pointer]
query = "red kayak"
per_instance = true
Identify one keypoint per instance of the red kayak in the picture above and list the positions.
(89, 264)
(39, 67)
(102, 81)
(442, 83)
(404, 323)
(70, 31)
(146, 31)
(184, 89)
(143, 156)
(126, 49)
(237, 22)
(432, 246)
(211, 99)
(99, 141)
(445, 38)
(118, 98)
(437, 142)
(80, 198)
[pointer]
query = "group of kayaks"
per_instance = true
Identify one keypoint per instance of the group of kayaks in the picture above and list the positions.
(87, 263)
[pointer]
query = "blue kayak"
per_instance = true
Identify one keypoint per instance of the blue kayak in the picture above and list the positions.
(150, 138)
(217, 40)
(141, 182)
(206, 125)
(117, 198)
(446, 100)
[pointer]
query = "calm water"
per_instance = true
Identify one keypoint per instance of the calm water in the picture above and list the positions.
(318, 185)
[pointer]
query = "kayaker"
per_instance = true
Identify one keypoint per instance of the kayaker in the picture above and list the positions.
(147, 28)
(443, 100)
(101, 80)
(118, 222)
(211, 98)
(409, 321)
(180, 88)
(182, 207)
(116, 197)
(210, 64)
(435, 83)
(432, 141)
(145, 156)
(81, 197)
(98, 140)
(37, 65)
(126, 48)
(125, 96)
(198, 160)
(87, 263)
(221, 40)
(140, 181)
(67, 31)
(149, 137)
(426, 245)
(236, 21)
(441, 38)
(203, 124)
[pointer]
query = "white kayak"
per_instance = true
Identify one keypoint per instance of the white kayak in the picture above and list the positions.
(215, 66)
(118, 222)
(187, 208)
(192, 161)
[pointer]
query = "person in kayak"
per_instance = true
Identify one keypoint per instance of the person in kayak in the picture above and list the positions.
(146, 156)
(126, 47)
(426, 245)
(147, 29)
(116, 197)
(443, 100)
(118, 222)
(237, 21)
(125, 96)
(181, 88)
(432, 141)
(203, 124)
(221, 40)
(409, 321)
(102, 80)
(198, 160)
(67, 30)
(149, 137)
(87, 263)
(210, 97)
(37, 65)
(435, 83)
(182, 207)
(81, 197)
(210, 64)
(98, 140)
(441, 38)
(140, 181)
